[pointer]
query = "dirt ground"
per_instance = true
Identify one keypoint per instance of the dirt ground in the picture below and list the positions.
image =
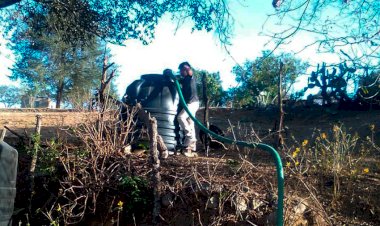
(220, 168)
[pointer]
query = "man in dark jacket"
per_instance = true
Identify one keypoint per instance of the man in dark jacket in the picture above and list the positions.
(189, 90)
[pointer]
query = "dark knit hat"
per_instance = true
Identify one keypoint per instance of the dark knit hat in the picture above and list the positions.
(183, 64)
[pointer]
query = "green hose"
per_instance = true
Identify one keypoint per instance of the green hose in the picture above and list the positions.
(271, 150)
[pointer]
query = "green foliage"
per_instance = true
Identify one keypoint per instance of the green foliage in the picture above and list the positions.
(48, 153)
(45, 61)
(78, 21)
(369, 87)
(335, 152)
(49, 67)
(239, 97)
(10, 95)
(36, 145)
(48, 158)
(81, 153)
(258, 79)
(332, 85)
(56, 42)
(143, 146)
(214, 90)
(136, 188)
(6, 3)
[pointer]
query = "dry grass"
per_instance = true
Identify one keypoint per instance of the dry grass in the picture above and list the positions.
(99, 184)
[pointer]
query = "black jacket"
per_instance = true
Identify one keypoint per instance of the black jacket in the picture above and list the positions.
(189, 89)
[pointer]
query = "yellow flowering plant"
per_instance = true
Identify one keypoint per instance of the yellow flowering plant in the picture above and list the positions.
(120, 205)
(297, 160)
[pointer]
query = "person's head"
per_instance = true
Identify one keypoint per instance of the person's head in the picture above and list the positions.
(167, 72)
(185, 69)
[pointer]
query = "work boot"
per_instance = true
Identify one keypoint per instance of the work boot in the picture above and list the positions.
(188, 153)
(165, 154)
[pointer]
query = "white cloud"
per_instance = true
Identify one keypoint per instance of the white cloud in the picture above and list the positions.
(200, 48)
(168, 50)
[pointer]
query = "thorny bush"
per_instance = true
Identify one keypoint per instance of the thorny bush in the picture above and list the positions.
(94, 169)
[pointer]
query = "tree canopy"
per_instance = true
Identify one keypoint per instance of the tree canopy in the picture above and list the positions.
(47, 66)
(6, 3)
(258, 79)
(215, 92)
(77, 21)
(10, 96)
(348, 28)
(56, 41)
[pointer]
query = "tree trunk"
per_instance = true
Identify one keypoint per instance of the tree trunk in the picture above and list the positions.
(155, 162)
(105, 81)
(281, 110)
(33, 164)
(205, 116)
(157, 146)
(59, 94)
(145, 117)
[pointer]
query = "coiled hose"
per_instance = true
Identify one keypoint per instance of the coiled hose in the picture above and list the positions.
(265, 147)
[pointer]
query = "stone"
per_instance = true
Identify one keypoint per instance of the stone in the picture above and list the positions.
(127, 150)
(297, 215)
(300, 208)
(255, 203)
(317, 219)
(241, 204)
(213, 202)
(139, 152)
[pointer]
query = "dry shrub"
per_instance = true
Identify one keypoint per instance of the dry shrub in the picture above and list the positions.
(93, 170)
(107, 134)
(336, 155)
(216, 191)
(323, 170)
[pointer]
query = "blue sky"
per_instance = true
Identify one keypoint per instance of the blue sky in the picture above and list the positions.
(200, 48)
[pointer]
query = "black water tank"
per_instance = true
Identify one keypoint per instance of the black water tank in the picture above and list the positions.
(157, 95)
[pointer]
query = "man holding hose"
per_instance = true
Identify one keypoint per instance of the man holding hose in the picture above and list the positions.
(189, 91)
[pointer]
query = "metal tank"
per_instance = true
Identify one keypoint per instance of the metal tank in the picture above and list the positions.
(8, 175)
(158, 96)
